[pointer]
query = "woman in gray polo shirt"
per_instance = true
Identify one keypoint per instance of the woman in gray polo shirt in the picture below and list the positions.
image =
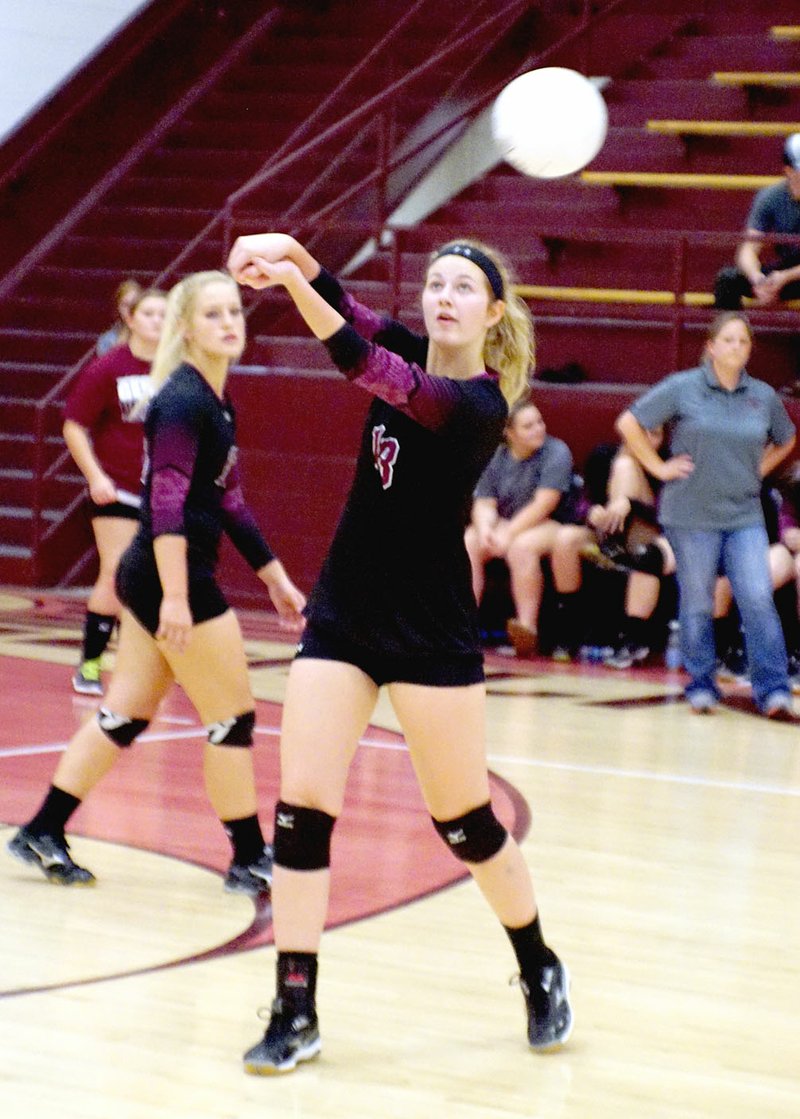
(728, 431)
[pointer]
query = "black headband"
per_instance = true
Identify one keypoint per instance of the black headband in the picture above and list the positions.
(487, 266)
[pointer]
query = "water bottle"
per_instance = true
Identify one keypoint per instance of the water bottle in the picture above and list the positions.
(672, 652)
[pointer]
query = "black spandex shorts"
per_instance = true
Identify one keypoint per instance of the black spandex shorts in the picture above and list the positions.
(116, 509)
(454, 671)
(139, 588)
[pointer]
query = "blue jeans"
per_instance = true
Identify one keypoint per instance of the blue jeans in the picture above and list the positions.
(742, 554)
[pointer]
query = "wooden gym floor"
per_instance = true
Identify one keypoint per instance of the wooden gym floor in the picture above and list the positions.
(664, 848)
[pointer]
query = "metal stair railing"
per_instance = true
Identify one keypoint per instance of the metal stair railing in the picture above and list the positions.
(43, 470)
(376, 112)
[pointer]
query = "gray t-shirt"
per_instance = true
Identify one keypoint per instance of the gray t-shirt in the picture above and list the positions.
(776, 210)
(513, 482)
(725, 433)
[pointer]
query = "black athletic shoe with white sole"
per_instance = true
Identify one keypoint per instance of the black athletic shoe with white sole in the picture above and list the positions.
(289, 1039)
(549, 1011)
(254, 879)
(51, 855)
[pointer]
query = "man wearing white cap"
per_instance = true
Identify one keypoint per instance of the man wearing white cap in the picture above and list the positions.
(775, 209)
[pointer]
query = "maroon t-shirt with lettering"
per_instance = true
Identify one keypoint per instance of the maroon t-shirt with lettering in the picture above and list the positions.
(103, 401)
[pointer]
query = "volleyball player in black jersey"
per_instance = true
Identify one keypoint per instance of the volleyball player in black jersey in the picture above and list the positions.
(394, 605)
(176, 624)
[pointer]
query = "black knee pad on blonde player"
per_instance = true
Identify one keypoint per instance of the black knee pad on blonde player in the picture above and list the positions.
(236, 731)
(302, 838)
(474, 837)
(119, 728)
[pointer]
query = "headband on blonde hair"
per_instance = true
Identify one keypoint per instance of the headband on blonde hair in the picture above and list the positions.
(485, 263)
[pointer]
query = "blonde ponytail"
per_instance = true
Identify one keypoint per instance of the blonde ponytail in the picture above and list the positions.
(510, 349)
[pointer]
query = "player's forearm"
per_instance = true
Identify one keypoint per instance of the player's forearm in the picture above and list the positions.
(748, 260)
(79, 446)
(543, 505)
(321, 319)
(790, 275)
(774, 455)
(170, 553)
(484, 514)
(638, 444)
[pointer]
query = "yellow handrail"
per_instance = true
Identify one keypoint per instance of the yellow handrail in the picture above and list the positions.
(723, 127)
(678, 180)
(629, 295)
(756, 77)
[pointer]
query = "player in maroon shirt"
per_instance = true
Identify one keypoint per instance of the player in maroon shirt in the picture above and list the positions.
(394, 606)
(176, 624)
(103, 431)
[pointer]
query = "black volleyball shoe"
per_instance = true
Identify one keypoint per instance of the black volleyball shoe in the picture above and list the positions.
(549, 1011)
(51, 855)
(290, 1038)
(254, 879)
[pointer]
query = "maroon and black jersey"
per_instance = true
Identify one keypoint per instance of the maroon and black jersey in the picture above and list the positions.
(397, 577)
(104, 401)
(191, 479)
(191, 488)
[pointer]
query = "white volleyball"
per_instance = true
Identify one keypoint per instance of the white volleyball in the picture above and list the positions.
(549, 122)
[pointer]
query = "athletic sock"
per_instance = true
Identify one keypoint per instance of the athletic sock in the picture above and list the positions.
(56, 809)
(726, 634)
(97, 630)
(296, 981)
(567, 619)
(635, 634)
(247, 839)
(530, 949)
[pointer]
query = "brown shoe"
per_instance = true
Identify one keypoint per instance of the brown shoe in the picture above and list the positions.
(524, 639)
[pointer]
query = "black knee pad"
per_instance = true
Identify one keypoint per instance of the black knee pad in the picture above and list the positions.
(236, 731)
(474, 837)
(302, 837)
(119, 728)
